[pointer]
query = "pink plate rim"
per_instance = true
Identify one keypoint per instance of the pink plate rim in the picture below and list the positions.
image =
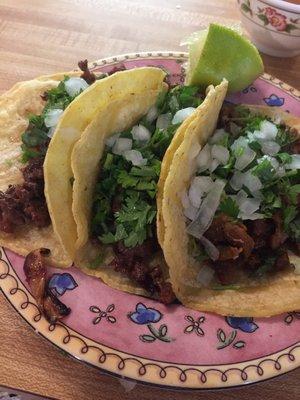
(145, 370)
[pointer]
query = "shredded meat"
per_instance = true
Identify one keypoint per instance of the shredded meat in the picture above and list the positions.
(134, 263)
(279, 236)
(226, 233)
(229, 252)
(25, 203)
(87, 75)
(35, 270)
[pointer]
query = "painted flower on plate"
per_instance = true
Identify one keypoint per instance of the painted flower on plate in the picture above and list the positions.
(60, 283)
(274, 101)
(144, 315)
(245, 324)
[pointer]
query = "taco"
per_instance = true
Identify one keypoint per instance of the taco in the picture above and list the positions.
(24, 136)
(116, 165)
(29, 113)
(231, 211)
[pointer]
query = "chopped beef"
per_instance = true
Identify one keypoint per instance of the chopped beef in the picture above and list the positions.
(25, 203)
(260, 231)
(282, 262)
(229, 252)
(223, 231)
(87, 75)
(134, 262)
(237, 236)
(295, 147)
(35, 270)
(279, 236)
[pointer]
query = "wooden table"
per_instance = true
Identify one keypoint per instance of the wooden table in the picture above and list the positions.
(43, 36)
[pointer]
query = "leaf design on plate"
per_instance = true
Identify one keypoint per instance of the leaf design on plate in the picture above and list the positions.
(147, 338)
(199, 331)
(111, 319)
(163, 330)
(221, 335)
(96, 320)
(95, 309)
(239, 345)
(189, 318)
(110, 308)
(189, 329)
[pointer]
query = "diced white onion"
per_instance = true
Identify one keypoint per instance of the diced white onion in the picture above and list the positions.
(110, 141)
(237, 180)
(270, 147)
(245, 159)
(210, 249)
(207, 210)
(135, 157)
(190, 212)
(121, 145)
(253, 216)
(295, 164)
(239, 143)
(188, 209)
(252, 182)
(249, 205)
(163, 121)
(213, 165)
(205, 276)
(51, 131)
(140, 133)
(241, 196)
(268, 129)
(220, 153)
(200, 185)
(52, 117)
(75, 85)
(152, 114)
(218, 136)
(182, 114)
(204, 158)
(240, 179)
(185, 200)
(280, 171)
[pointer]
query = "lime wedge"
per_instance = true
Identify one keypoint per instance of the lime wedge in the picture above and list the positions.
(220, 52)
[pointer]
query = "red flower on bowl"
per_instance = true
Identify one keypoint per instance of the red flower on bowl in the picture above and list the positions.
(275, 19)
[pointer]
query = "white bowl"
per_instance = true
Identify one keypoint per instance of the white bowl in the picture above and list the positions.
(273, 25)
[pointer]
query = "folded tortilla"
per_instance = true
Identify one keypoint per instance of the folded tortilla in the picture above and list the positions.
(276, 294)
(23, 99)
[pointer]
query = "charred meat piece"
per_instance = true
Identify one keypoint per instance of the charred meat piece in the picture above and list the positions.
(279, 236)
(224, 232)
(35, 269)
(134, 262)
(25, 203)
(237, 236)
(87, 75)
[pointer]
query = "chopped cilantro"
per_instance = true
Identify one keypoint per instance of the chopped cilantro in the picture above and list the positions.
(229, 207)
(264, 170)
(124, 206)
(284, 158)
(294, 229)
(35, 139)
(289, 213)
